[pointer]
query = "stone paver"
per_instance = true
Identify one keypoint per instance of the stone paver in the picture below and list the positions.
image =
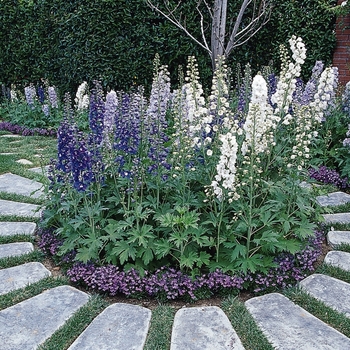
(119, 327)
(11, 135)
(20, 276)
(336, 238)
(331, 291)
(12, 183)
(203, 328)
(290, 327)
(15, 249)
(26, 325)
(24, 162)
(40, 170)
(9, 228)
(19, 209)
(333, 199)
(341, 218)
(339, 259)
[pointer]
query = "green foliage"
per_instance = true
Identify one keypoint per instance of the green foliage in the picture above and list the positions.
(115, 41)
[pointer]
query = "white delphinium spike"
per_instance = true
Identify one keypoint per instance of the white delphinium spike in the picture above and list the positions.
(226, 168)
(260, 121)
(82, 98)
(283, 96)
(325, 92)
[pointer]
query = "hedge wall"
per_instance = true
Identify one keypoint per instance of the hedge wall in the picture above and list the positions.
(116, 40)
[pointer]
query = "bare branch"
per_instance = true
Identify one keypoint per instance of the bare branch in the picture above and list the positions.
(258, 20)
(170, 16)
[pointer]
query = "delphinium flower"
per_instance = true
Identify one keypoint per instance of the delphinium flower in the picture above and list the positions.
(109, 118)
(127, 134)
(346, 99)
(41, 94)
(283, 96)
(81, 163)
(244, 92)
(311, 86)
(226, 167)
(46, 109)
(188, 109)
(220, 116)
(82, 97)
(96, 114)
(155, 123)
(13, 93)
(260, 121)
(30, 94)
(324, 98)
(52, 97)
(65, 135)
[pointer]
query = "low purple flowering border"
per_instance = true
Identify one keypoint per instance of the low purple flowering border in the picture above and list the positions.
(172, 284)
(21, 130)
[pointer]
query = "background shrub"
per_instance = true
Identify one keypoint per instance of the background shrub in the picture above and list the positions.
(68, 42)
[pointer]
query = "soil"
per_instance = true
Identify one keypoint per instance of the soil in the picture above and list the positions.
(151, 304)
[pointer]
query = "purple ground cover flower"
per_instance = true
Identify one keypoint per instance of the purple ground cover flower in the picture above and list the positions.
(20, 130)
(328, 176)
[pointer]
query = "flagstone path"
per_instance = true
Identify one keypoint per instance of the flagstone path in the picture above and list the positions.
(123, 326)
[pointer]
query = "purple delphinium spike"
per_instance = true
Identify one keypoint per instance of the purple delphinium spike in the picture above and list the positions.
(41, 94)
(65, 135)
(81, 163)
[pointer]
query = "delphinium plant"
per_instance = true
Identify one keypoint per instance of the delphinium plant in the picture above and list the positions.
(38, 108)
(185, 185)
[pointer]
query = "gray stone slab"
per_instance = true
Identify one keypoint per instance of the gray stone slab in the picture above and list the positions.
(333, 199)
(20, 276)
(15, 249)
(331, 291)
(336, 238)
(28, 324)
(289, 327)
(203, 328)
(118, 327)
(11, 135)
(341, 218)
(9, 228)
(19, 209)
(40, 170)
(11, 183)
(339, 259)
(24, 161)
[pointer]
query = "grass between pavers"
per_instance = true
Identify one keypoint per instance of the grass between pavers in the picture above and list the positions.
(19, 295)
(16, 218)
(37, 149)
(243, 323)
(75, 325)
(17, 238)
(317, 308)
(20, 198)
(11, 261)
(159, 334)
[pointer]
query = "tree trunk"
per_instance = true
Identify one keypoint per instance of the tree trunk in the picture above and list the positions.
(218, 30)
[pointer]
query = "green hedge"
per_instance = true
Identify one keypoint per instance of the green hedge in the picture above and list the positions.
(116, 40)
